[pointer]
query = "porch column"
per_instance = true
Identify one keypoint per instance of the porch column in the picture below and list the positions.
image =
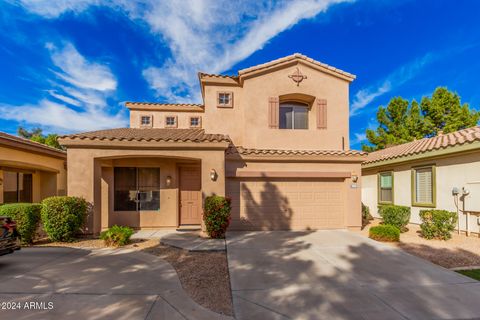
(213, 160)
(84, 174)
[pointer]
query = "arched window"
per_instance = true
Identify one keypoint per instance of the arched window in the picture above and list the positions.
(293, 115)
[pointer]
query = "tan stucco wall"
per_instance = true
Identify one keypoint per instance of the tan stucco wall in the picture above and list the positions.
(48, 173)
(247, 122)
(183, 118)
(453, 171)
(91, 174)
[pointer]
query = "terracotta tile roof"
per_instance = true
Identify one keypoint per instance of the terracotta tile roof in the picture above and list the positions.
(293, 57)
(279, 152)
(211, 75)
(165, 106)
(5, 137)
(135, 134)
(279, 61)
(425, 145)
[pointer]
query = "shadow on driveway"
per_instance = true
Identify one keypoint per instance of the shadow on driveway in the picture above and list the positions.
(339, 274)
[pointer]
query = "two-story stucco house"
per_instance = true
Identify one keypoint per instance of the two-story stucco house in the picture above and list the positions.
(274, 138)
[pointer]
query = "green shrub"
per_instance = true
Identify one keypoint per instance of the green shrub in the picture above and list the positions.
(217, 215)
(116, 236)
(384, 232)
(63, 217)
(437, 224)
(366, 216)
(397, 216)
(26, 215)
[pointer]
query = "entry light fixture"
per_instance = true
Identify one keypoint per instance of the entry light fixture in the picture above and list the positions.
(213, 175)
(354, 178)
(168, 181)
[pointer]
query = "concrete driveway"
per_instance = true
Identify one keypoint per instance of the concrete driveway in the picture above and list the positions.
(99, 284)
(340, 275)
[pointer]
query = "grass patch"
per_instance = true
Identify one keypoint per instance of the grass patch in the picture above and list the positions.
(474, 273)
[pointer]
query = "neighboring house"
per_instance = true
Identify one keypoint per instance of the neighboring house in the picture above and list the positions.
(422, 174)
(274, 138)
(30, 171)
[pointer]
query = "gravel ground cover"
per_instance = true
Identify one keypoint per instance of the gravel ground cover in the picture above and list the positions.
(460, 251)
(204, 275)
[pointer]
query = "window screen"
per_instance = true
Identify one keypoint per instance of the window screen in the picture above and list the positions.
(293, 116)
(424, 185)
(386, 187)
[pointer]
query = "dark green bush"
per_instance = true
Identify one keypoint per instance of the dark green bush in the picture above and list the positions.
(397, 216)
(438, 224)
(116, 236)
(366, 216)
(217, 215)
(384, 232)
(63, 217)
(26, 215)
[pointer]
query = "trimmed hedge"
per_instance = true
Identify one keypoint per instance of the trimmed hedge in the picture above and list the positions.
(27, 217)
(63, 217)
(217, 215)
(397, 216)
(438, 224)
(384, 232)
(116, 236)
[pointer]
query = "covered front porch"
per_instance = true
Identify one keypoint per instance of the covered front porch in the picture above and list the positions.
(145, 184)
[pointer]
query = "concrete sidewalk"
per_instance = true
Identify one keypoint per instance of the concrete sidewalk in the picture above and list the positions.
(340, 275)
(187, 240)
(98, 284)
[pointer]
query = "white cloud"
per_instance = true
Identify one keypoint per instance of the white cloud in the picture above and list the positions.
(65, 99)
(83, 87)
(76, 70)
(365, 96)
(210, 36)
(60, 118)
(358, 138)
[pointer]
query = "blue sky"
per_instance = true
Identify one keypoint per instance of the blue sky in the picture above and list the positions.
(69, 65)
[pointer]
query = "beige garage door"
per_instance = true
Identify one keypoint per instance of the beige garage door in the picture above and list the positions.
(276, 204)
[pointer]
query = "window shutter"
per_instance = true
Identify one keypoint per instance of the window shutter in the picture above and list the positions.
(424, 190)
(273, 110)
(321, 114)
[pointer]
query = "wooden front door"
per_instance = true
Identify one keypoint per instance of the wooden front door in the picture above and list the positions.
(190, 195)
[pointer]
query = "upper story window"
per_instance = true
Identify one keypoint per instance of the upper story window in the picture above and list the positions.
(145, 121)
(293, 115)
(225, 99)
(195, 122)
(171, 121)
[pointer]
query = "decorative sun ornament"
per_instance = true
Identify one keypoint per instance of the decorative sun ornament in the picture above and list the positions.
(297, 76)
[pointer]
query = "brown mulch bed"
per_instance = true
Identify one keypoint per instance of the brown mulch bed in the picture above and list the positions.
(204, 275)
(95, 243)
(460, 251)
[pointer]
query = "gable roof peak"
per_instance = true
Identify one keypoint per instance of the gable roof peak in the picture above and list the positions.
(298, 57)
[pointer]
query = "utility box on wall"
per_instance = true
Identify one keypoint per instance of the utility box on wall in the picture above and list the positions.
(472, 200)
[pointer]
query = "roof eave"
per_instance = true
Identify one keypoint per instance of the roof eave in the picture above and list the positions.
(140, 144)
(463, 148)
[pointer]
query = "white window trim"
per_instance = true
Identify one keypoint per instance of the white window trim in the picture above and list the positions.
(146, 125)
(199, 122)
(175, 125)
(225, 105)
